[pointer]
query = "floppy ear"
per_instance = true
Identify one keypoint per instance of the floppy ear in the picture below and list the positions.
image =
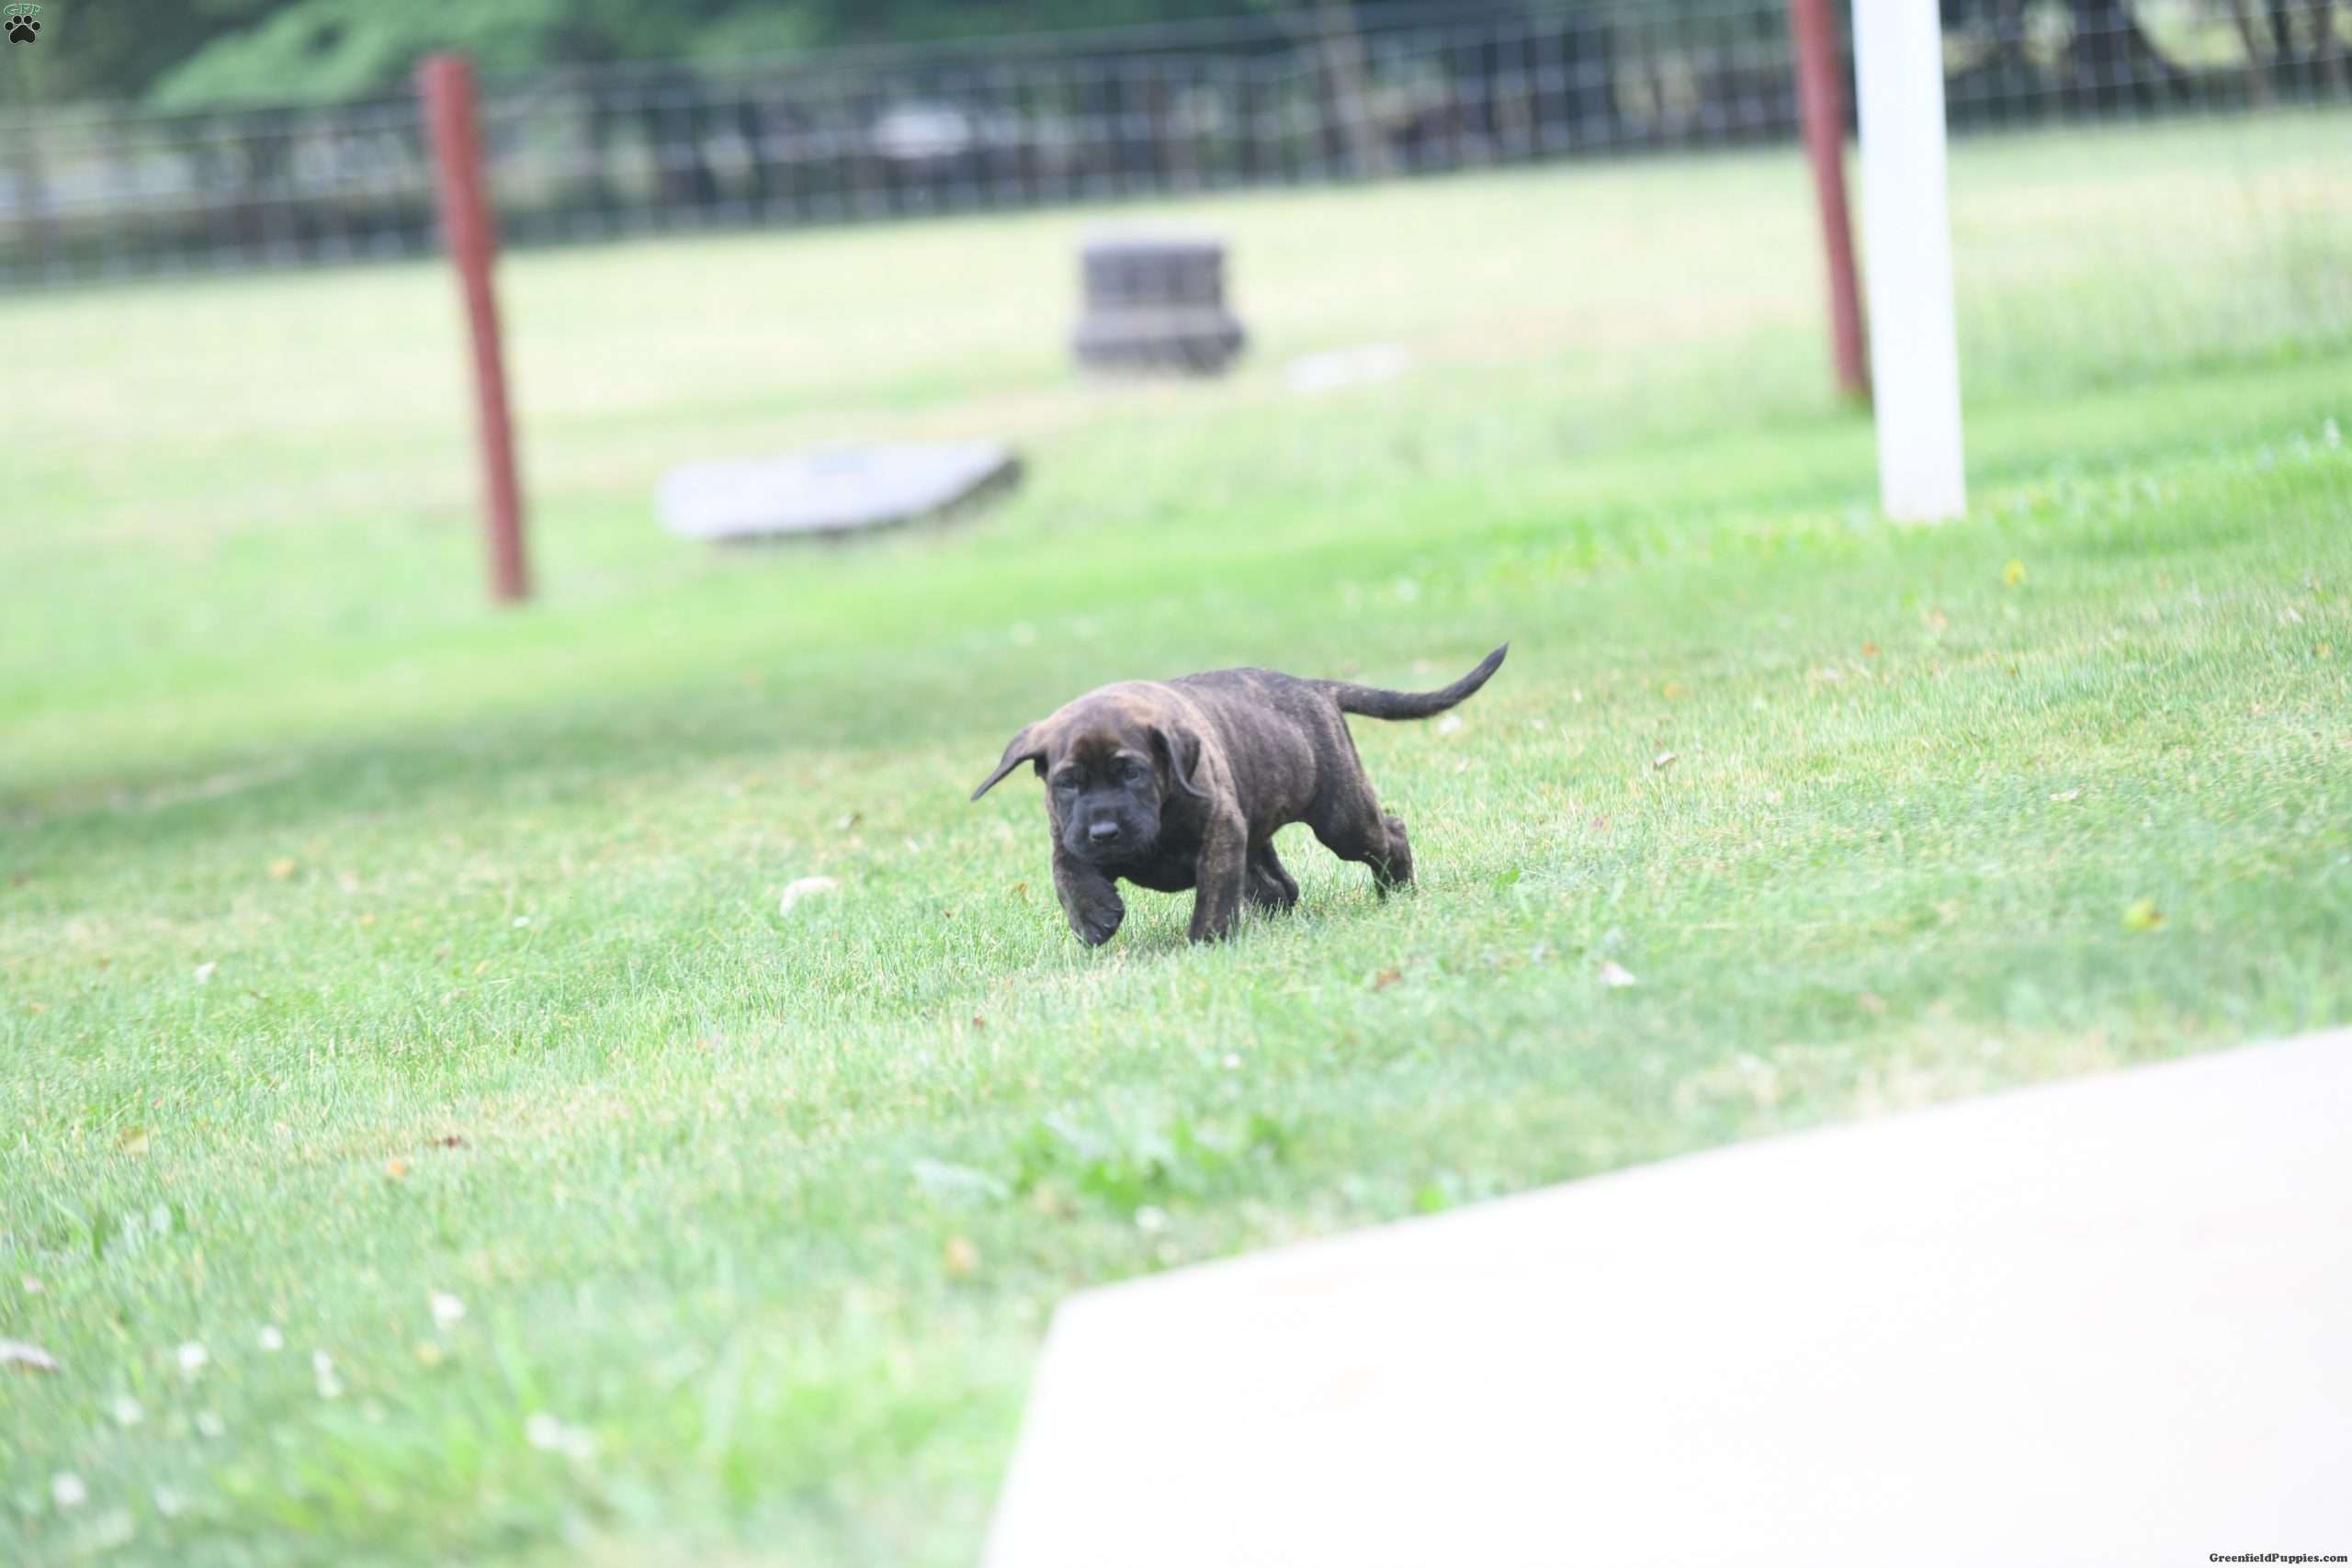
(1029, 746)
(1181, 748)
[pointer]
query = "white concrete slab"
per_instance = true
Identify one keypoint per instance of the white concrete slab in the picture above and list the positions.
(835, 489)
(2101, 1322)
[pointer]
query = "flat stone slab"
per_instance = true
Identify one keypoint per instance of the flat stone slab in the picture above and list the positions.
(835, 489)
(2099, 1322)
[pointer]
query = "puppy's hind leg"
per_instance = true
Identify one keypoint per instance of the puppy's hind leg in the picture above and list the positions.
(1271, 884)
(1400, 853)
(1354, 828)
(1089, 898)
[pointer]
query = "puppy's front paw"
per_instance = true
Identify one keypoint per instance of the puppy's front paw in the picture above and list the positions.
(1097, 922)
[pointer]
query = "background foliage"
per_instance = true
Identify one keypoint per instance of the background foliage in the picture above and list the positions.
(208, 52)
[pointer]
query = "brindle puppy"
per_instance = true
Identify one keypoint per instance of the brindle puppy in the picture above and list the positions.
(1172, 785)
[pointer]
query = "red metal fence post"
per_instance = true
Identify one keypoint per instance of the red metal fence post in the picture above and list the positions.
(1821, 108)
(447, 84)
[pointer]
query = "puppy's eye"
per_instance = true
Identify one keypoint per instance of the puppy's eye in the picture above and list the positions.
(1067, 783)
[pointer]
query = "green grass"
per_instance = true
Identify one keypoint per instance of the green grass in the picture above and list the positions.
(357, 942)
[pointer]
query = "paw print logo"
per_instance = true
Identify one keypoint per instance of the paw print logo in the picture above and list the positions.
(22, 27)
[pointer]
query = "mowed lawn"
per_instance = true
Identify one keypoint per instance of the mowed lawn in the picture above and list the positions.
(394, 999)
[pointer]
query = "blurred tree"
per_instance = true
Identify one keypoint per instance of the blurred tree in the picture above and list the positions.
(2257, 75)
(321, 50)
(2327, 45)
(233, 51)
(200, 53)
(2111, 54)
(116, 50)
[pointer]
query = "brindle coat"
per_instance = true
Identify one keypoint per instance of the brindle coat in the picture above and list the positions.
(1181, 784)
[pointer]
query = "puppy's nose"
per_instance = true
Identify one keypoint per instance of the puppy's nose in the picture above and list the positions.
(1102, 832)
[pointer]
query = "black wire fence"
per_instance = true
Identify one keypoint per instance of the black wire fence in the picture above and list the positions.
(1300, 97)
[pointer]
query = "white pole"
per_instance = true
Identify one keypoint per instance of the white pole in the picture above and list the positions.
(1906, 242)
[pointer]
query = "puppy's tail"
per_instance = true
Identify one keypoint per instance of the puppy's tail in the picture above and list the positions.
(1374, 702)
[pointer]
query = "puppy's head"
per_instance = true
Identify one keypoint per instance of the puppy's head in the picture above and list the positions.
(1110, 762)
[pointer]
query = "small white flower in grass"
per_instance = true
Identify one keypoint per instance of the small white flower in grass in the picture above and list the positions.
(271, 1337)
(447, 1309)
(1232, 1062)
(522, 921)
(805, 887)
(18, 1353)
(958, 1184)
(66, 1489)
(1451, 724)
(323, 1369)
(169, 1504)
(1615, 976)
(108, 1531)
(128, 1410)
(204, 972)
(208, 1423)
(1151, 1219)
(192, 1359)
(552, 1434)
